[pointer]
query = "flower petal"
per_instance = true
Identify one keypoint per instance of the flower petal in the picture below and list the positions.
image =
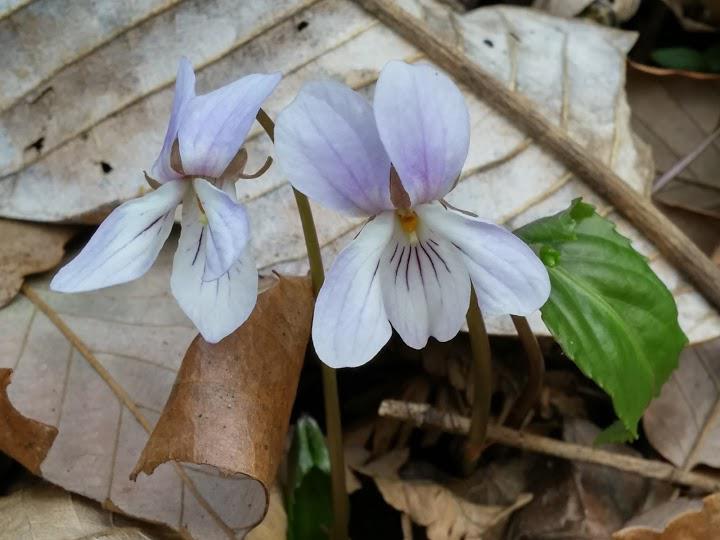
(214, 126)
(219, 307)
(350, 325)
(507, 275)
(228, 228)
(425, 286)
(184, 92)
(126, 243)
(328, 146)
(424, 124)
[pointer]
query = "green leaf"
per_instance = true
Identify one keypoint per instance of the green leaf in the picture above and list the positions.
(614, 433)
(308, 497)
(680, 58)
(607, 309)
(712, 58)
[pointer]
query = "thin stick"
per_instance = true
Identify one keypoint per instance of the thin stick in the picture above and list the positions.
(421, 414)
(639, 210)
(482, 385)
(536, 371)
(333, 423)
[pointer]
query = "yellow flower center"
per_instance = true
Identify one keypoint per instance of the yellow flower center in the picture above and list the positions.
(408, 220)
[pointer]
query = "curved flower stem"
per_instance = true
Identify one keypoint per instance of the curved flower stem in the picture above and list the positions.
(333, 424)
(482, 383)
(536, 371)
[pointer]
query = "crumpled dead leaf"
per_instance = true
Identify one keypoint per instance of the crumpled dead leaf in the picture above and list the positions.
(581, 500)
(681, 519)
(573, 71)
(445, 515)
(28, 248)
(230, 404)
(35, 510)
(683, 423)
(135, 335)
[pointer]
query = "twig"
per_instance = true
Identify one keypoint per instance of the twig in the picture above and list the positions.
(536, 371)
(421, 414)
(639, 210)
(482, 385)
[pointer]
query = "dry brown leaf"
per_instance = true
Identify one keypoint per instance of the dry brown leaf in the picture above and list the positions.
(35, 510)
(580, 500)
(577, 81)
(27, 440)
(683, 423)
(28, 248)
(231, 402)
(446, 515)
(681, 519)
(690, 113)
(136, 335)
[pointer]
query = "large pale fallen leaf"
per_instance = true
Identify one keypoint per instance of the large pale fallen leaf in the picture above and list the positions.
(28, 248)
(683, 423)
(103, 393)
(35, 510)
(446, 515)
(230, 404)
(572, 70)
(36, 28)
(681, 519)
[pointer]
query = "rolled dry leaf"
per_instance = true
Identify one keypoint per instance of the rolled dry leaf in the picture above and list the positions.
(28, 248)
(26, 440)
(231, 402)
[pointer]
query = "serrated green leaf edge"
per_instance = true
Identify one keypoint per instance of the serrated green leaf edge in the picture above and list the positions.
(550, 235)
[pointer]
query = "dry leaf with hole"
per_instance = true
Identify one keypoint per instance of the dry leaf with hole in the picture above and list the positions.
(35, 510)
(683, 423)
(680, 519)
(91, 157)
(138, 336)
(28, 248)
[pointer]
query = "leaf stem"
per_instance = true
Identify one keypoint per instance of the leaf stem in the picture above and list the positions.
(333, 424)
(482, 385)
(536, 371)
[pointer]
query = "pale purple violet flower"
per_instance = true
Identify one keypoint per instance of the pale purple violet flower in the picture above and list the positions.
(412, 264)
(214, 278)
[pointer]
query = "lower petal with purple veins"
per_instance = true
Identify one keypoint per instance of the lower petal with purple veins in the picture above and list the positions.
(425, 285)
(217, 307)
(350, 324)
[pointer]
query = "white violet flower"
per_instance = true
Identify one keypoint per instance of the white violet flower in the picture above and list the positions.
(214, 278)
(412, 264)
